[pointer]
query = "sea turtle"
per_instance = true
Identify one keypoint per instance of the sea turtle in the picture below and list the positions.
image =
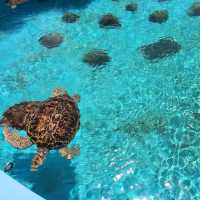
(50, 124)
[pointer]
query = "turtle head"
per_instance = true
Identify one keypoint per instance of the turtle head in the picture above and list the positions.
(4, 122)
(12, 118)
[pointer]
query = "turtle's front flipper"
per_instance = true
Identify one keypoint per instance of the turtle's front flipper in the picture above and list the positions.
(39, 158)
(69, 153)
(16, 140)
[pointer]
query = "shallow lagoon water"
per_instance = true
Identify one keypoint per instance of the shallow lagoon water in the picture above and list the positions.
(139, 133)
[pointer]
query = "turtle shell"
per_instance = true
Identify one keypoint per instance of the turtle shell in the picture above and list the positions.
(55, 123)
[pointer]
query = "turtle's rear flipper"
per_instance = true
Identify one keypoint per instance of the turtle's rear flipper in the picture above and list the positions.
(69, 153)
(76, 98)
(16, 140)
(39, 158)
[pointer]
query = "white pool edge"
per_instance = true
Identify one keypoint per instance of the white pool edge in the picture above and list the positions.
(11, 189)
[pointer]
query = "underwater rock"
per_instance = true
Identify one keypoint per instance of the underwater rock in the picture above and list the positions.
(51, 40)
(70, 17)
(194, 10)
(132, 7)
(96, 57)
(109, 21)
(160, 49)
(8, 167)
(159, 16)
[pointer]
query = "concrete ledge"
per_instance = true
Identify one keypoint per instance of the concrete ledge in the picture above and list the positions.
(11, 189)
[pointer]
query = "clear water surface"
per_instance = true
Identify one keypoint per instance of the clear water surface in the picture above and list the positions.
(139, 133)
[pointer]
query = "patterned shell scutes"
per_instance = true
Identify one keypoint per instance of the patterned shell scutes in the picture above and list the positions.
(55, 123)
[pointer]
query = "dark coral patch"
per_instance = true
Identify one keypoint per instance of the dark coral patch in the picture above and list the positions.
(109, 21)
(160, 49)
(132, 7)
(70, 17)
(51, 40)
(194, 10)
(96, 57)
(159, 16)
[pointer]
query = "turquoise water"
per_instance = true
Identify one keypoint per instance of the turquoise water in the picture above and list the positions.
(139, 133)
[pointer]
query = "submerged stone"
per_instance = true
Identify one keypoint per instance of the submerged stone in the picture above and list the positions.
(160, 49)
(70, 17)
(8, 167)
(109, 21)
(96, 57)
(132, 7)
(194, 10)
(159, 16)
(51, 40)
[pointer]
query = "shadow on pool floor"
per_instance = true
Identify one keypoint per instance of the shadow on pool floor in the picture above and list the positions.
(53, 180)
(11, 19)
